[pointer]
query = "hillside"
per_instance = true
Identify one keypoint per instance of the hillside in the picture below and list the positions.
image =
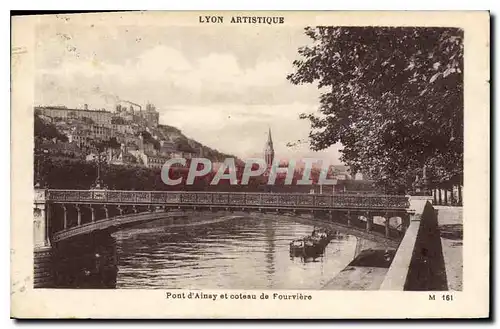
(187, 144)
(47, 128)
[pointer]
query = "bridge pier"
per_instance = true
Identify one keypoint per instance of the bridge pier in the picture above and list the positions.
(106, 211)
(369, 221)
(42, 262)
(387, 224)
(41, 229)
(78, 215)
(65, 216)
(92, 213)
(42, 253)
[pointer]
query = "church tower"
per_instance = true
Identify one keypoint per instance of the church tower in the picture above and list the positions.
(269, 151)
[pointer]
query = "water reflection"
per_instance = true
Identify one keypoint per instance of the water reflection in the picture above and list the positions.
(86, 262)
(242, 253)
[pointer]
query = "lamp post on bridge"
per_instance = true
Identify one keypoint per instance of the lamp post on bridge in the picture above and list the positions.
(100, 158)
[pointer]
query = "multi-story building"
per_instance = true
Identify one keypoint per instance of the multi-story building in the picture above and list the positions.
(80, 136)
(100, 117)
(86, 135)
(123, 128)
(100, 132)
(151, 115)
(120, 156)
(149, 159)
(152, 160)
(128, 139)
(148, 117)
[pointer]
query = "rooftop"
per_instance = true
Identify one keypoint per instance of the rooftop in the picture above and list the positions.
(70, 109)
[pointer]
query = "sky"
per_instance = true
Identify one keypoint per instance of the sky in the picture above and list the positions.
(223, 86)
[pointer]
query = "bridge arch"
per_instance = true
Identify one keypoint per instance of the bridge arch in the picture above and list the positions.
(72, 212)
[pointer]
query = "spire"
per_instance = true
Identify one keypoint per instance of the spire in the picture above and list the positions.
(269, 138)
(269, 150)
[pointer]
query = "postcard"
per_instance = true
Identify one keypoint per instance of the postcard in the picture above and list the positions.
(256, 165)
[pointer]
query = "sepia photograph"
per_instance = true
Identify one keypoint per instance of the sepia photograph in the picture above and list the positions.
(259, 156)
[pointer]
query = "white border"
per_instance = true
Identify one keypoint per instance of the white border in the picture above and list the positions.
(196, 5)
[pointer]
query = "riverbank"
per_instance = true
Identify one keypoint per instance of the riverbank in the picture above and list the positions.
(366, 272)
(363, 273)
(450, 224)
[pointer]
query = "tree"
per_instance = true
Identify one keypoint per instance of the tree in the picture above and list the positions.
(393, 97)
(103, 145)
(149, 139)
(182, 145)
(46, 130)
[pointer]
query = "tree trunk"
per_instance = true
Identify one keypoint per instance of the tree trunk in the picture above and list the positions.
(459, 195)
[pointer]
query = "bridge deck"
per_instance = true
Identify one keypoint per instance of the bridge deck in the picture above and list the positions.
(377, 233)
(343, 209)
(230, 199)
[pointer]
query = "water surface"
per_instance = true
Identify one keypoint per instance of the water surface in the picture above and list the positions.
(240, 253)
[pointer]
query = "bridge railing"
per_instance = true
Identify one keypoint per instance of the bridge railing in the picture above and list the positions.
(230, 198)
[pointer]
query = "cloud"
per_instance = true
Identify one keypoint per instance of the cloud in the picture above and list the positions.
(157, 62)
(242, 129)
(214, 77)
(212, 97)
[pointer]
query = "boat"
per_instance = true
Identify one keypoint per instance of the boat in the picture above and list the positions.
(297, 246)
(305, 247)
(313, 244)
(322, 237)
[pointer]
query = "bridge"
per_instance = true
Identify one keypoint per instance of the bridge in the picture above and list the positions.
(60, 215)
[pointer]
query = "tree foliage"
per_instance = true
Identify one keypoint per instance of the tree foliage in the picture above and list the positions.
(46, 130)
(149, 139)
(103, 145)
(182, 145)
(393, 97)
(78, 174)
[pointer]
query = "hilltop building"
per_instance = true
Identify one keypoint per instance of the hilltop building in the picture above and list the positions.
(138, 139)
(151, 116)
(100, 117)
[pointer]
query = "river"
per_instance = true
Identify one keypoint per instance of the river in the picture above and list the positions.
(236, 253)
(240, 253)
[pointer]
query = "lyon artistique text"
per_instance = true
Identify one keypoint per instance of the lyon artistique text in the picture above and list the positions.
(242, 19)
